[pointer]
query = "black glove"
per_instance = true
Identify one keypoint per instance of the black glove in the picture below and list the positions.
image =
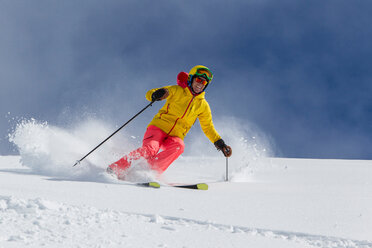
(221, 146)
(158, 94)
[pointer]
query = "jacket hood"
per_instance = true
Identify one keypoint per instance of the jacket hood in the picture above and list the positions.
(182, 79)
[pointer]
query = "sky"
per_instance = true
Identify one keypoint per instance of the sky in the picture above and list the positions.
(300, 71)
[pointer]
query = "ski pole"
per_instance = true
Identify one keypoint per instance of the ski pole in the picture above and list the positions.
(79, 161)
(227, 169)
(227, 165)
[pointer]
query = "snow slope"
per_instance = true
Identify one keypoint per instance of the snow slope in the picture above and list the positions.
(294, 203)
(268, 202)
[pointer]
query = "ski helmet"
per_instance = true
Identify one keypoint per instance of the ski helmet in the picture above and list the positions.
(200, 71)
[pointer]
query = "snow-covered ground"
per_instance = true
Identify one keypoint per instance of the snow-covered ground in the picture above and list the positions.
(295, 203)
(268, 202)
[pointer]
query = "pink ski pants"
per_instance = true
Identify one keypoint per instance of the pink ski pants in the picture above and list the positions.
(153, 140)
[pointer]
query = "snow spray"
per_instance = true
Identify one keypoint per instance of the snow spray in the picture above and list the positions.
(251, 149)
(50, 150)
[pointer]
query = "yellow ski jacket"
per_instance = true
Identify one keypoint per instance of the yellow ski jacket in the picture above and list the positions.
(180, 112)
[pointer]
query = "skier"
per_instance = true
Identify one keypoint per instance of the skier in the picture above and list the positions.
(185, 103)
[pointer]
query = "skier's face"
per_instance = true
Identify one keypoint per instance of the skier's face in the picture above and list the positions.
(198, 84)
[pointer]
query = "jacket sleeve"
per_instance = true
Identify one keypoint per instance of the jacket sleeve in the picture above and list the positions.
(171, 89)
(206, 123)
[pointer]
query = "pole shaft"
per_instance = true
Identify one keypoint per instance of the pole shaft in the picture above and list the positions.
(227, 169)
(113, 133)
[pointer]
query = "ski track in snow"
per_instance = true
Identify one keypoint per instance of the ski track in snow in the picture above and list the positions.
(40, 222)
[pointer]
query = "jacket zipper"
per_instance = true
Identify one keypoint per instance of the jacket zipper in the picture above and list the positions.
(165, 112)
(182, 115)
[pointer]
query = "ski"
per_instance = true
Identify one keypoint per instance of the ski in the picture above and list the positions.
(149, 184)
(199, 186)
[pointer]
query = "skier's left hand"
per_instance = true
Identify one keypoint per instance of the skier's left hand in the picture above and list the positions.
(227, 151)
(221, 146)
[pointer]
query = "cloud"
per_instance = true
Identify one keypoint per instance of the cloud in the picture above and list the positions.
(294, 69)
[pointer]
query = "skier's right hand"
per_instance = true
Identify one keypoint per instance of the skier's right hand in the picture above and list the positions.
(160, 94)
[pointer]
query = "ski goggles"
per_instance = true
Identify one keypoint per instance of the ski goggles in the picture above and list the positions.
(204, 73)
(201, 80)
